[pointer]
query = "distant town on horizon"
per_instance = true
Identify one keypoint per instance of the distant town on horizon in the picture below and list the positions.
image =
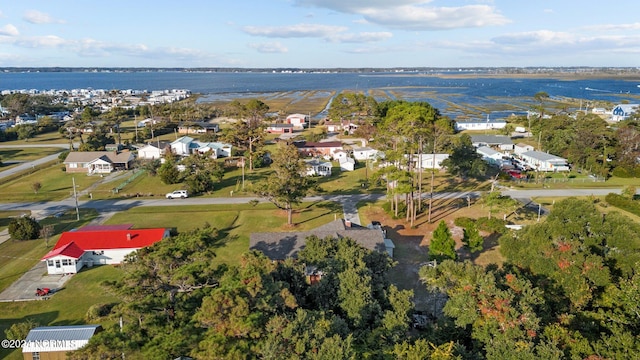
(436, 70)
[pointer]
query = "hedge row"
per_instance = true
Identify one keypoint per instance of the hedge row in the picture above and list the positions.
(492, 225)
(621, 202)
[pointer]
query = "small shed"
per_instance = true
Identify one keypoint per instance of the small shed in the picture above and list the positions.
(389, 245)
(347, 164)
(53, 342)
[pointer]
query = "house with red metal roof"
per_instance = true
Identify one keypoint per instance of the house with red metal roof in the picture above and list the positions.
(76, 249)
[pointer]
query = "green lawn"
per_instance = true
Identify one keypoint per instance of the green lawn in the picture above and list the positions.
(26, 154)
(67, 307)
(236, 222)
(56, 185)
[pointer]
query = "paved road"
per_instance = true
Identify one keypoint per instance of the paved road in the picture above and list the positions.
(52, 207)
(30, 164)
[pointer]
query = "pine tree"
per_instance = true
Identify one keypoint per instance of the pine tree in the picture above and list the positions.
(442, 245)
(472, 239)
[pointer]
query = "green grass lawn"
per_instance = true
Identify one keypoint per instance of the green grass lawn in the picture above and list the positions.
(67, 307)
(235, 222)
(56, 185)
(26, 154)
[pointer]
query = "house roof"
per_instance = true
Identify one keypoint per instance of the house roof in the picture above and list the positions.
(69, 250)
(491, 139)
(481, 121)
(111, 239)
(282, 245)
(542, 156)
(523, 145)
(88, 156)
(487, 151)
(59, 338)
(347, 160)
(316, 145)
(183, 140)
(318, 162)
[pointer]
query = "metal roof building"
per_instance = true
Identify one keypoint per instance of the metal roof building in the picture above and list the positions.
(57, 340)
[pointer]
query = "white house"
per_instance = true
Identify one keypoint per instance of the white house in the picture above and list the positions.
(151, 152)
(79, 248)
(365, 153)
(520, 148)
(299, 121)
(489, 155)
(541, 161)
(623, 111)
(426, 161)
(182, 146)
(501, 142)
(186, 146)
(487, 124)
(340, 154)
(347, 164)
(53, 342)
(317, 167)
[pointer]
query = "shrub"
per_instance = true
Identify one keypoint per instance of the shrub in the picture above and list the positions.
(623, 203)
(442, 245)
(24, 228)
(97, 311)
(402, 210)
(19, 331)
(492, 225)
(464, 222)
(472, 239)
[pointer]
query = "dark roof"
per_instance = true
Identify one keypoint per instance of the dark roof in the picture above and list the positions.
(282, 245)
(310, 145)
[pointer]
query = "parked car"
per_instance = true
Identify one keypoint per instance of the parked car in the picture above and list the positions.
(178, 194)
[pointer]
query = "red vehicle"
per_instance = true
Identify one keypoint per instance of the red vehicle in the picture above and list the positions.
(43, 291)
(515, 174)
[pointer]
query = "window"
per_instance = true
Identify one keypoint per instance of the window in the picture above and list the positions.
(73, 165)
(66, 262)
(49, 262)
(35, 356)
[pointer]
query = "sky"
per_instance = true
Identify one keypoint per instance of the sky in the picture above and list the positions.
(319, 33)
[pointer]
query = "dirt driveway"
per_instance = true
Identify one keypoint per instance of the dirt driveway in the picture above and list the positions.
(24, 289)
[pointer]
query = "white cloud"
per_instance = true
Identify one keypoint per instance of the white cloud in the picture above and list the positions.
(364, 37)
(269, 47)
(9, 30)
(435, 18)
(294, 31)
(415, 14)
(47, 41)
(529, 38)
(614, 27)
(37, 17)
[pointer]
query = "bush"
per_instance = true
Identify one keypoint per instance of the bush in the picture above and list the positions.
(492, 225)
(464, 222)
(98, 311)
(24, 228)
(402, 210)
(623, 203)
(626, 172)
(19, 331)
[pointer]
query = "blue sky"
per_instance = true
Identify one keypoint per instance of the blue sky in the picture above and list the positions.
(319, 33)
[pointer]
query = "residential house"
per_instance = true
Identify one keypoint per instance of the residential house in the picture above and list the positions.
(490, 155)
(279, 128)
(153, 151)
(317, 167)
(186, 145)
(542, 161)
(347, 164)
(342, 125)
(488, 124)
(198, 127)
(366, 153)
(340, 154)
(299, 121)
(623, 111)
(76, 249)
(148, 122)
(98, 162)
(324, 149)
(53, 342)
(429, 161)
(283, 245)
(520, 148)
(502, 142)
(182, 146)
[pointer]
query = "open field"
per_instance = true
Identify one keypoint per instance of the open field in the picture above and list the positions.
(56, 185)
(235, 222)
